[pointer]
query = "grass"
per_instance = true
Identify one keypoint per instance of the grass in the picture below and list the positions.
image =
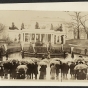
(82, 44)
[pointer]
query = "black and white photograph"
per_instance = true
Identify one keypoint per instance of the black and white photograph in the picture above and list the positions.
(43, 45)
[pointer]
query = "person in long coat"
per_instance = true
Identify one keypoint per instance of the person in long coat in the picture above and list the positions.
(29, 71)
(32, 69)
(1, 71)
(35, 70)
(57, 70)
(41, 72)
(72, 69)
(66, 70)
(0, 55)
(53, 71)
(44, 67)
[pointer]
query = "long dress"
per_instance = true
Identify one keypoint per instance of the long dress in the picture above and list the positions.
(52, 72)
(41, 73)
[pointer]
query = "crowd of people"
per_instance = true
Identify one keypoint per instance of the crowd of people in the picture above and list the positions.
(34, 69)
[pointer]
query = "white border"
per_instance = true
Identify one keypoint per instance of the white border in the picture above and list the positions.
(62, 6)
(68, 6)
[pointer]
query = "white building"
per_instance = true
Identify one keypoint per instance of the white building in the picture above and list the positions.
(34, 35)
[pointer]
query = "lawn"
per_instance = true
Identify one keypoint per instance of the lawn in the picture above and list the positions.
(79, 49)
(81, 45)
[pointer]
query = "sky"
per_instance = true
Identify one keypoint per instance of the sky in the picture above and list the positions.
(27, 16)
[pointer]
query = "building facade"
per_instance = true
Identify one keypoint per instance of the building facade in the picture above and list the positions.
(37, 35)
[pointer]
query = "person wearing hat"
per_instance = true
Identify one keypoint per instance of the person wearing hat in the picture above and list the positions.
(35, 70)
(57, 71)
(72, 69)
(41, 72)
(52, 71)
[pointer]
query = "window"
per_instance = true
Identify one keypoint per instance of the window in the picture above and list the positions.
(58, 39)
(38, 37)
(26, 37)
(33, 36)
(49, 37)
(42, 37)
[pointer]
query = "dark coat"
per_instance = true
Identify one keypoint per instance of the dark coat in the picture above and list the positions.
(57, 68)
(1, 71)
(41, 73)
(0, 55)
(64, 68)
(72, 68)
(29, 69)
(32, 68)
(36, 69)
(44, 69)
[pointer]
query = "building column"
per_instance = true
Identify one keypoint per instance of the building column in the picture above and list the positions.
(30, 37)
(46, 38)
(24, 37)
(52, 38)
(56, 38)
(21, 37)
(35, 37)
(40, 37)
(64, 39)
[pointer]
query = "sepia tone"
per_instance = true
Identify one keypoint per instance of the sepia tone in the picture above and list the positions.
(44, 45)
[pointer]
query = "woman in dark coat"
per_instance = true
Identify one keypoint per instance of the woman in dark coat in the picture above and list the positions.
(1, 71)
(32, 69)
(67, 69)
(64, 70)
(57, 70)
(29, 71)
(72, 69)
(41, 72)
(35, 70)
(0, 55)
(44, 68)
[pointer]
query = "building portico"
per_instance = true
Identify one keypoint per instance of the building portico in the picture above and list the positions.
(41, 35)
(38, 35)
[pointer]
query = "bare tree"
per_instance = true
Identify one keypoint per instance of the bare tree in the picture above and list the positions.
(83, 23)
(2, 28)
(71, 28)
(78, 23)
